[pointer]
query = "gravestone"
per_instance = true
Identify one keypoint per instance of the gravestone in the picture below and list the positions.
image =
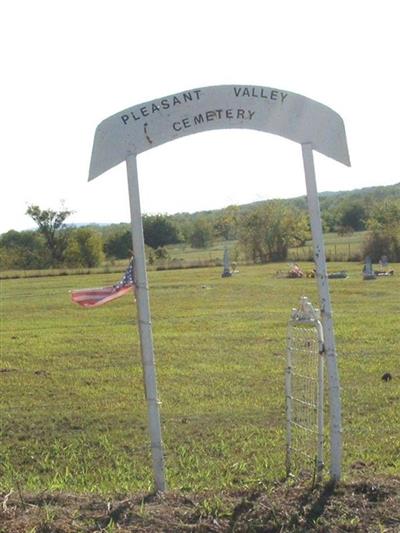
(227, 272)
(368, 272)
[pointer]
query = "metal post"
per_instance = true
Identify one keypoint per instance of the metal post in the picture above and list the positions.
(145, 330)
(326, 313)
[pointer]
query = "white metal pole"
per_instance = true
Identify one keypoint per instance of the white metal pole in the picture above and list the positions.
(326, 313)
(145, 330)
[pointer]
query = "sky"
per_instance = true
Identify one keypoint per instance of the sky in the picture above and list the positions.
(68, 65)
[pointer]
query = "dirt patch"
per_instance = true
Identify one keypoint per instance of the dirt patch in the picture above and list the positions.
(365, 505)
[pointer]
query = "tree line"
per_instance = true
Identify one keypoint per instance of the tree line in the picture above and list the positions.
(264, 231)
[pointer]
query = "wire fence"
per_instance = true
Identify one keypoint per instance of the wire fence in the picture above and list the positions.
(342, 252)
(304, 397)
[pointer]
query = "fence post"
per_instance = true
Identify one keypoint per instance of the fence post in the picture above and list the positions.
(326, 313)
(145, 329)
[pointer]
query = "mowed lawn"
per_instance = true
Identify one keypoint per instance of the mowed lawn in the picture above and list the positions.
(73, 415)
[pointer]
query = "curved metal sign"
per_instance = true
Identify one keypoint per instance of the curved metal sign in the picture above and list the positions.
(150, 124)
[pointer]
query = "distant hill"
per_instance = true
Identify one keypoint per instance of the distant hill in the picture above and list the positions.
(327, 197)
(380, 191)
(328, 200)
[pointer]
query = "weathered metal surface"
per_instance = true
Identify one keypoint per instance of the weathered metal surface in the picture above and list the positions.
(152, 123)
(321, 275)
(145, 329)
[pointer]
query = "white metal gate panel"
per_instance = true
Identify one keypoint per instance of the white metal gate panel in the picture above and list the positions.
(304, 391)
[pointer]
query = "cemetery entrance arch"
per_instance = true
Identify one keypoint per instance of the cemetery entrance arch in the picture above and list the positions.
(132, 131)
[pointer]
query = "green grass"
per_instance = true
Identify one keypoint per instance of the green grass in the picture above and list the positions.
(338, 248)
(73, 415)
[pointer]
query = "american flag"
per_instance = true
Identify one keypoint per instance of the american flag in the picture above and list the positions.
(96, 297)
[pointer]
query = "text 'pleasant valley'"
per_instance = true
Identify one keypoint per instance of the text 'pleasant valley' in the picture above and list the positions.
(191, 97)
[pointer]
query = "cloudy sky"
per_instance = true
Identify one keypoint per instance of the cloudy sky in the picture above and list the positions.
(67, 65)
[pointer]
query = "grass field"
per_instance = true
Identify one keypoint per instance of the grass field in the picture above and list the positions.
(73, 415)
(338, 248)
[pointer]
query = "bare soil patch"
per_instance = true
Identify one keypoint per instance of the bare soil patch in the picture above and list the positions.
(365, 505)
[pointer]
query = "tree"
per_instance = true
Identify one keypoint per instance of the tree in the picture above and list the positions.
(51, 225)
(201, 234)
(159, 230)
(385, 214)
(268, 231)
(85, 248)
(384, 231)
(226, 223)
(329, 220)
(351, 214)
(119, 244)
(24, 249)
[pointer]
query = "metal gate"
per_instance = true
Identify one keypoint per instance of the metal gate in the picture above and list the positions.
(305, 391)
